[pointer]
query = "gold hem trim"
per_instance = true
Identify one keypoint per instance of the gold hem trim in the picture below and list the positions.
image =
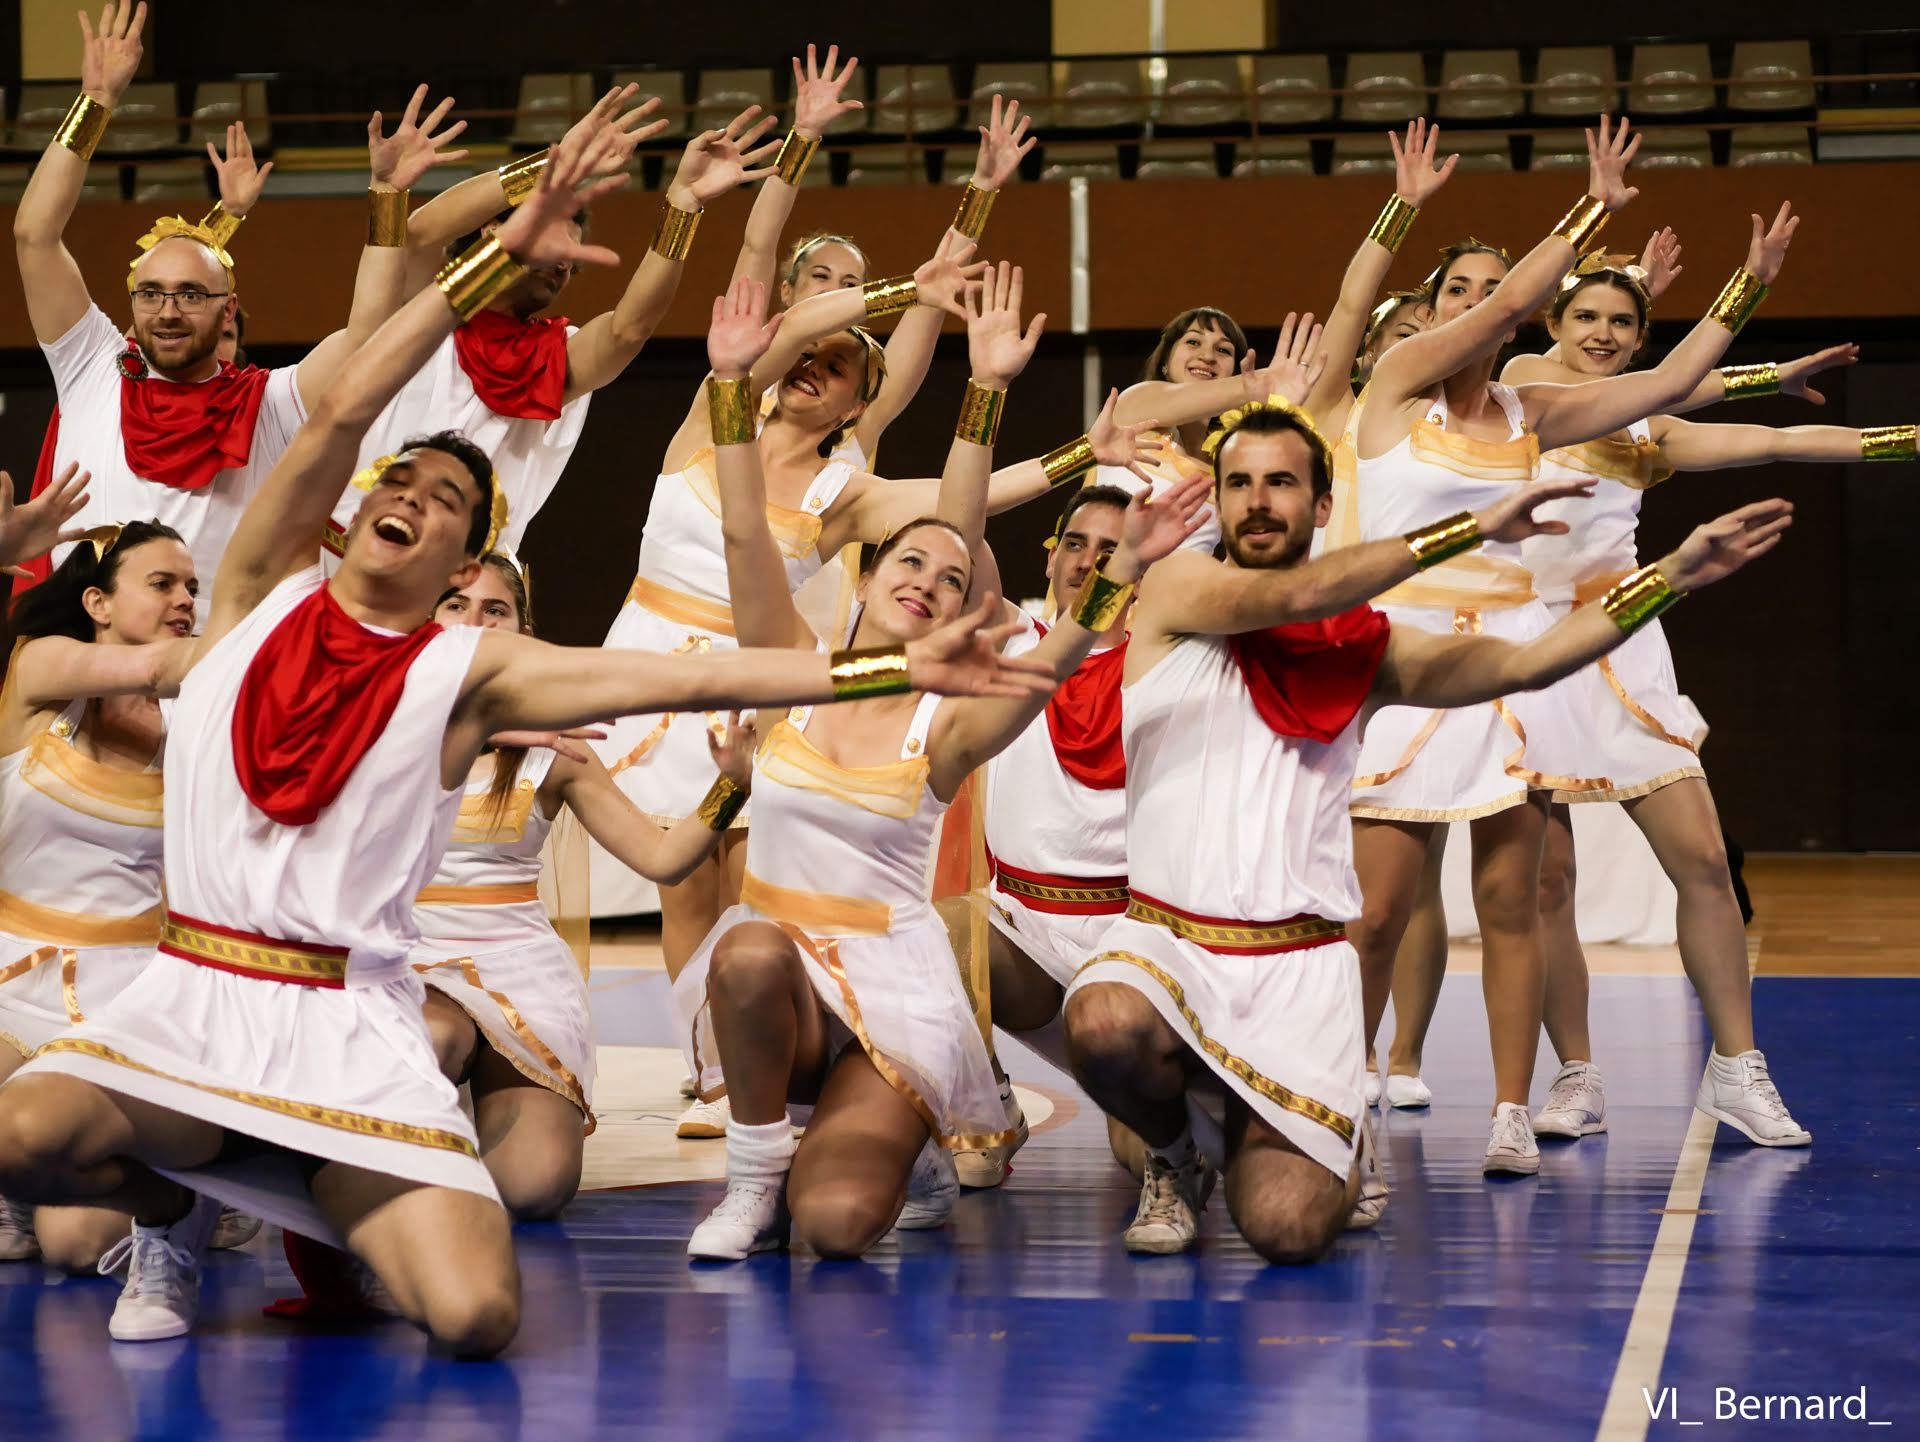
(1637, 790)
(568, 1084)
(1283, 1097)
(376, 1128)
(1640, 713)
(1463, 813)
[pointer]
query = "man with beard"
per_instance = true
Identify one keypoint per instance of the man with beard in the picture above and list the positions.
(518, 383)
(166, 427)
(1230, 972)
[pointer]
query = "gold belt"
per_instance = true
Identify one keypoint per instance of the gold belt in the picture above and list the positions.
(250, 954)
(817, 911)
(678, 606)
(504, 893)
(27, 919)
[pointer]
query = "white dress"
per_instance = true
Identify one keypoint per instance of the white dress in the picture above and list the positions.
(486, 942)
(841, 859)
(1425, 765)
(338, 1072)
(1236, 930)
(1058, 848)
(79, 882)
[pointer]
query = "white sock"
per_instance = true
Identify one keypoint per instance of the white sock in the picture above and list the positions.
(1178, 1153)
(762, 1153)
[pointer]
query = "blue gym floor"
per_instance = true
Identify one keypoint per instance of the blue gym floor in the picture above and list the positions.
(1476, 1311)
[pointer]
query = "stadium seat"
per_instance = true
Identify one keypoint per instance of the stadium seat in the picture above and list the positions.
(723, 94)
(1177, 160)
(42, 108)
(548, 106)
(1670, 80)
(173, 183)
(218, 103)
(1205, 91)
(1775, 75)
(1285, 87)
(1576, 80)
(1480, 85)
(1362, 155)
(1478, 151)
(1391, 88)
(922, 94)
(1274, 155)
(1101, 95)
(1077, 162)
(1030, 83)
(1559, 150)
(147, 118)
(1771, 145)
(669, 87)
(1674, 148)
(887, 165)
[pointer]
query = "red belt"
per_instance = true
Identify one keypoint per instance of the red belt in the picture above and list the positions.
(1062, 895)
(248, 953)
(1227, 937)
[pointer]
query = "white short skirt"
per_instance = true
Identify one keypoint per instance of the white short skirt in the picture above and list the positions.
(1059, 944)
(62, 987)
(1282, 1032)
(1418, 764)
(661, 759)
(1644, 734)
(339, 1074)
(900, 997)
(526, 995)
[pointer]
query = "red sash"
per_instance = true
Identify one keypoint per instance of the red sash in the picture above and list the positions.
(1083, 718)
(1309, 679)
(517, 367)
(184, 435)
(316, 696)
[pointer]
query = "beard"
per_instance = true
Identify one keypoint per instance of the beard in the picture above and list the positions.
(200, 345)
(1293, 551)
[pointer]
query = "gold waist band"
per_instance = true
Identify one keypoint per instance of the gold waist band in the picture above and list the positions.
(251, 954)
(817, 911)
(24, 918)
(678, 606)
(504, 893)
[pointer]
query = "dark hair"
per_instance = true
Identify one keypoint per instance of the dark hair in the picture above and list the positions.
(461, 244)
(873, 376)
(1204, 316)
(1618, 279)
(1454, 253)
(1269, 421)
(506, 759)
(1384, 313)
(1090, 496)
(807, 244)
(479, 466)
(53, 608)
(888, 546)
(239, 336)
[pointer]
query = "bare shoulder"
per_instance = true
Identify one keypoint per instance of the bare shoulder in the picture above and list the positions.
(1532, 370)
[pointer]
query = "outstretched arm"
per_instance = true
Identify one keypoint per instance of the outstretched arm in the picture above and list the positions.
(56, 292)
(998, 351)
(664, 854)
(1689, 446)
(817, 104)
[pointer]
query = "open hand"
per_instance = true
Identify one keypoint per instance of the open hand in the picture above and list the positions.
(629, 127)
(997, 348)
(817, 101)
(1004, 143)
(1661, 261)
(414, 148)
(1511, 517)
(1768, 250)
(537, 233)
(1719, 548)
(1608, 156)
(1155, 526)
(941, 281)
(37, 526)
(561, 743)
(1130, 446)
(241, 180)
(110, 56)
(962, 658)
(1296, 366)
(1415, 176)
(740, 332)
(716, 161)
(732, 748)
(1795, 374)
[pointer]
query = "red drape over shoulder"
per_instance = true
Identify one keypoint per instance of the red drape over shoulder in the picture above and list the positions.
(517, 367)
(1310, 678)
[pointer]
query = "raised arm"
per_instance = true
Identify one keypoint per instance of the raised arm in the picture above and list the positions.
(998, 350)
(1567, 415)
(1421, 668)
(56, 292)
(663, 854)
(817, 103)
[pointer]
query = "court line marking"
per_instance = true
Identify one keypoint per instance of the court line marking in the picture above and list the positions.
(1636, 1376)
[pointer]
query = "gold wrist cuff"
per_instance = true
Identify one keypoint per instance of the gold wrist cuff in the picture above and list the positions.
(221, 224)
(1888, 443)
(1393, 223)
(1581, 224)
(1638, 598)
(520, 178)
(1739, 383)
(1444, 541)
(795, 151)
(875, 671)
(1100, 602)
(387, 217)
(1064, 463)
(730, 410)
(1739, 300)
(86, 122)
(673, 232)
(886, 297)
(476, 279)
(980, 415)
(721, 803)
(976, 205)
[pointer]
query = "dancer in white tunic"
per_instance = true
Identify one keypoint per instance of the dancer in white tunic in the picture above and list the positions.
(1245, 684)
(1436, 432)
(274, 1049)
(835, 940)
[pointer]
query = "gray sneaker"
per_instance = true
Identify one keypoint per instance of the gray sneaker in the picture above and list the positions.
(17, 1241)
(1511, 1149)
(1576, 1104)
(1739, 1091)
(1171, 1200)
(932, 1189)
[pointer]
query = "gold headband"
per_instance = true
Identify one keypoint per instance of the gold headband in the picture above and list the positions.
(875, 373)
(525, 573)
(176, 227)
(367, 477)
(1598, 265)
(1395, 299)
(1470, 246)
(102, 539)
(1231, 421)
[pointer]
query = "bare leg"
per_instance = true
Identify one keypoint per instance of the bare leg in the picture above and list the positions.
(1289, 1208)
(766, 1019)
(67, 1141)
(1387, 857)
(531, 1139)
(1127, 1148)
(1129, 1060)
(1420, 964)
(1025, 998)
(1506, 896)
(1682, 826)
(456, 1040)
(849, 1177)
(75, 1238)
(1566, 1006)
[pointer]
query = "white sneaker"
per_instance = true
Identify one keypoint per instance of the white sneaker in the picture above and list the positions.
(1511, 1147)
(1739, 1091)
(1576, 1105)
(1171, 1199)
(1373, 1089)
(1372, 1200)
(234, 1229)
(751, 1217)
(1407, 1092)
(932, 1189)
(705, 1121)
(161, 1297)
(17, 1241)
(988, 1166)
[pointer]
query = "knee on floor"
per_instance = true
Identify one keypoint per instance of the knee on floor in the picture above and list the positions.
(476, 1319)
(837, 1220)
(540, 1196)
(1288, 1237)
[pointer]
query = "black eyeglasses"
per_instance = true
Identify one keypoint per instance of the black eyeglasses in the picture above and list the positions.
(190, 302)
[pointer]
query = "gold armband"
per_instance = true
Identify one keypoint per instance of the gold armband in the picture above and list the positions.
(1395, 220)
(1443, 541)
(1739, 300)
(1064, 463)
(980, 415)
(795, 151)
(86, 122)
(1581, 224)
(520, 178)
(1100, 602)
(886, 297)
(1888, 443)
(976, 205)
(730, 410)
(876, 671)
(221, 224)
(673, 232)
(476, 279)
(1638, 598)
(386, 217)
(1739, 383)
(721, 803)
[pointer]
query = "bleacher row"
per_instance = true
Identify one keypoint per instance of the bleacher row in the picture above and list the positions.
(1177, 117)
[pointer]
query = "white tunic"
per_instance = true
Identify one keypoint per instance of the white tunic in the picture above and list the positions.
(87, 382)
